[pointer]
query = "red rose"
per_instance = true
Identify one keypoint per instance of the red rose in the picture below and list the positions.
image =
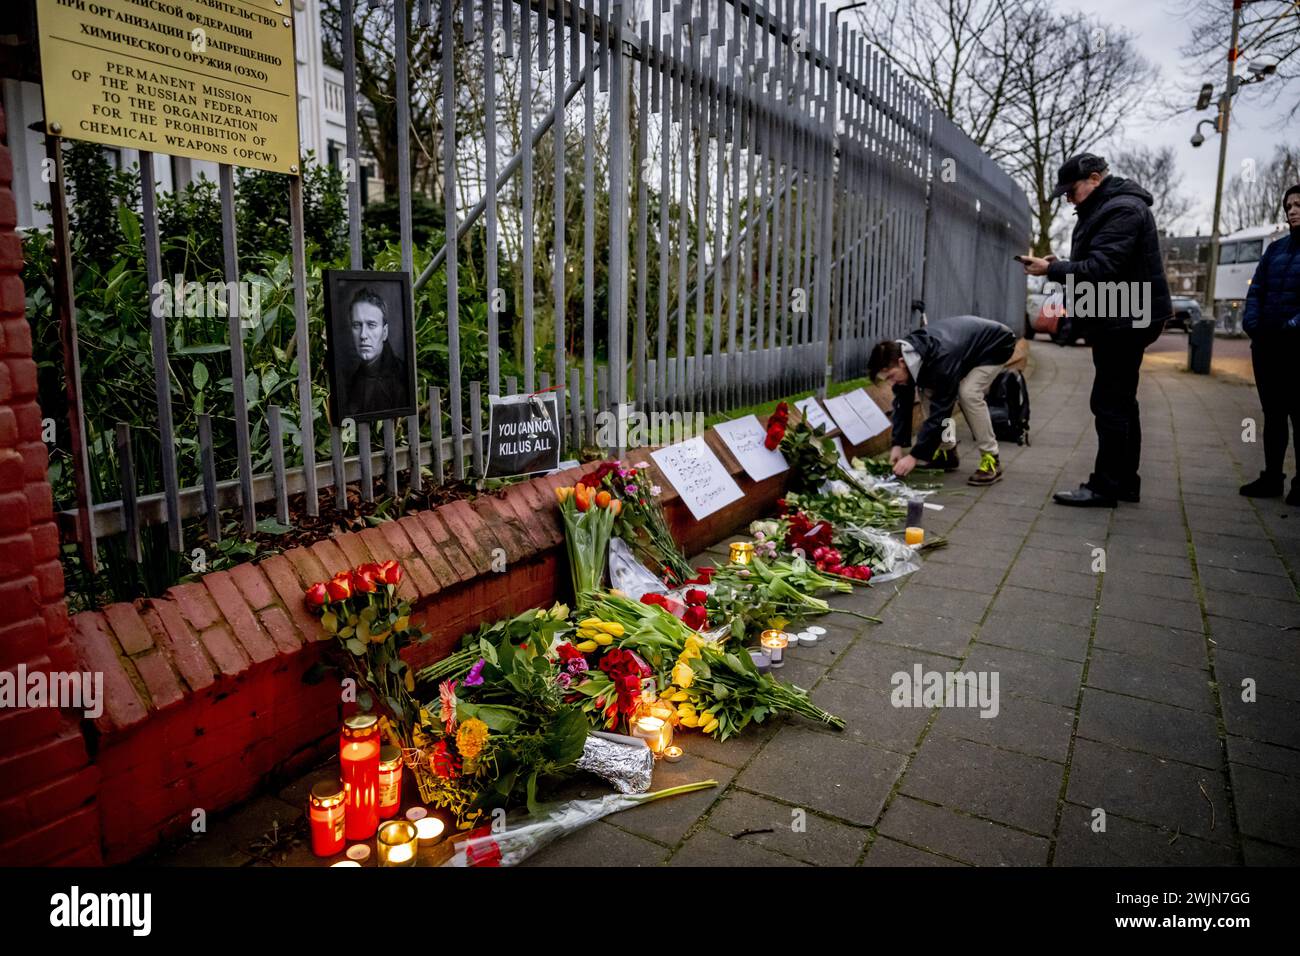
(390, 572)
(340, 587)
(775, 432)
(695, 617)
(696, 596)
(652, 597)
(317, 594)
(363, 581)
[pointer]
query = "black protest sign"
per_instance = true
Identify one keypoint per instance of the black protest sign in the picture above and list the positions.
(523, 435)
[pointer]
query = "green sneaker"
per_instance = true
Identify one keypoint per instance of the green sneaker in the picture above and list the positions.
(988, 471)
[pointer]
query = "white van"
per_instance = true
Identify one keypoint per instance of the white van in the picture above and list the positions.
(1239, 254)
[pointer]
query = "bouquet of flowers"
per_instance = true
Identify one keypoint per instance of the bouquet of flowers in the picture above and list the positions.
(588, 522)
(812, 456)
(640, 519)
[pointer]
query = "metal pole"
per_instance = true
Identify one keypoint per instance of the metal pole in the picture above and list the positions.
(1225, 108)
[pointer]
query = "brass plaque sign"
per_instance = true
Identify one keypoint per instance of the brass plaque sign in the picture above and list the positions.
(207, 79)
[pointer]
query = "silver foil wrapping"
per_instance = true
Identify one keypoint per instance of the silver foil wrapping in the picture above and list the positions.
(628, 766)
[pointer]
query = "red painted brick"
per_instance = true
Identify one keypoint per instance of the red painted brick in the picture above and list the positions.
(256, 642)
(129, 628)
(354, 549)
(12, 295)
(19, 600)
(56, 839)
(96, 649)
(21, 642)
(13, 513)
(174, 635)
(40, 502)
(223, 650)
(25, 727)
(36, 460)
(308, 567)
(470, 533)
(330, 556)
(58, 756)
(534, 516)
(253, 585)
(45, 541)
(457, 560)
(500, 519)
(423, 543)
(377, 544)
(49, 580)
(8, 428)
(62, 655)
(196, 604)
(281, 629)
(280, 573)
(159, 679)
(31, 423)
(58, 624)
(426, 585)
(51, 801)
(22, 371)
(17, 556)
(12, 469)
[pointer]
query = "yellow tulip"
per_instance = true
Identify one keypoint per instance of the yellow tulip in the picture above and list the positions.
(683, 676)
(691, 721)
(590, 622)
(586, 646)
(711, 726)
(604, 640)
(680, 695)
(612, 627)
(410, 680)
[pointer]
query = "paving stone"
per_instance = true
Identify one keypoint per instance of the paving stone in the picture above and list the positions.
(1270, 719)
(1045, 607)
(1255, 608)
(1173, 544)
(1026, 726)
(978, 580)
(1127, 843)
(793, 768)
(667, 821)
(708, 847)
(1245, 582)
(1155, 680)
(1027, 674)
(1267, 804)
(1172, 795)
(996, 784)
(1158, 643)
(927, 631)
(802, 673)
(1167, 565)
(1076, 543)
(734, 751)
(1142, 584)
(1265, 756)
(870, 716)
(874, 665)
(1255, 562)
(1241, 549)
(1079, 584)
(886, 852)
(1259, 640)
(1148, 609)
(1012, 629)
(939, 600)
(961, 835)
(1150, 727)
(1273, 678)
(1035, 562)
(601, 844)
(1259, 853)
(817, 840)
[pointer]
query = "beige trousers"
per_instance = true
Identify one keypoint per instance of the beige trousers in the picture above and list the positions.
(971, 397)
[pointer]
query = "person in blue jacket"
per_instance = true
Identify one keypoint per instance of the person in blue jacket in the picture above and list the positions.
(1272, 320)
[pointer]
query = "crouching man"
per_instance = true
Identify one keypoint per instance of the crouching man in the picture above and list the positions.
(953, 361)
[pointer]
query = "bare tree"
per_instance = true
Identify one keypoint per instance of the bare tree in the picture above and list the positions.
(1253, 197)
(1155, 170)
(1269, 34)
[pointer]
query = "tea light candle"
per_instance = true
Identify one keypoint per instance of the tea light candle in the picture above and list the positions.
(673, 754)
(345, 863)
(808, 637)
(429, 830)
(742, 552)
(913, 537)
(415, 814)
(325, 810)
(397, 843)
(359, 852)
(815, 629)
(655, 731)
(762, 660)
(775, 642)
(390, 781)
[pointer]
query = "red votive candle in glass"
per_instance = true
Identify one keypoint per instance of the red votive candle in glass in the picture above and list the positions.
(390, 781)
(325, 809)
(359, 763)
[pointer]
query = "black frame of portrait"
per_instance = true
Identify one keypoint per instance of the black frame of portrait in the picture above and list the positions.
(332, 279)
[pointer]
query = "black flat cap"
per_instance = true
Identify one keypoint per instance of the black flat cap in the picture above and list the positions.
(1075, 168)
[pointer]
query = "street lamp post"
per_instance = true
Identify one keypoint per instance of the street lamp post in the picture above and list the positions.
(1225, 110)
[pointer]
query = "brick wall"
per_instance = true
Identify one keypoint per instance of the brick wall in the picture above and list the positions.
(48, 810)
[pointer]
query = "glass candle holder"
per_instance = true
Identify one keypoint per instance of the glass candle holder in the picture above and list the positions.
(325, 812)
(397, 843)
(359, 765)
(655, 731)
(742, 552)
(915, 508)
(913, 537)
(775, 642)
(390, 781)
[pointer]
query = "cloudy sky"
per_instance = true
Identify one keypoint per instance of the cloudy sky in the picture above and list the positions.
(1161, 29)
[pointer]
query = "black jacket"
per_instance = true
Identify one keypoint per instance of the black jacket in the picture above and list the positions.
(948, 350)
(1273, 300)
(1115, 240)
(379, 387)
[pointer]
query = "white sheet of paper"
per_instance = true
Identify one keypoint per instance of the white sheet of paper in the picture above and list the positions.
(871, 414)
(839, 447)
(694, 470)
(745, 437)
(853, 427)
(814, 413)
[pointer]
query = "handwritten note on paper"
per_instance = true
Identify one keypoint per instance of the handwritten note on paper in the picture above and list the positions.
(871, 414)
(814, 414)
(699, 477)
(744, 437)
(853, 427)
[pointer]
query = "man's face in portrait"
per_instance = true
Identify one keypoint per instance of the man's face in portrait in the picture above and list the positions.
(369, 330)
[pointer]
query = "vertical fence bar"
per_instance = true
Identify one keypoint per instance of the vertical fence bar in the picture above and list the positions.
(618, 215)
(367, 462)
(526, 138)
(302, 337)
(347, 20)
(682, 112)
(490, 196)
(589, 221)
(276, 436)
(718, 381)
(641, 164)
(158, 338)
(401, 53)
(435, 434)
(662, 103)
(450, 226)
(559, 258)
(475, 389)
(126, 476)
(208, 467)
(235, 323)
(65, 302)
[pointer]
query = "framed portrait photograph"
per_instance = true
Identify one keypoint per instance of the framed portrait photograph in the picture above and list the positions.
(370, 333)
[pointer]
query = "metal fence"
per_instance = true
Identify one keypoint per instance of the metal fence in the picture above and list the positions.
(778, 197)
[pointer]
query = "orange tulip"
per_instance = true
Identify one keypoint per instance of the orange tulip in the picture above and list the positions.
(602, 499)
(616, 506)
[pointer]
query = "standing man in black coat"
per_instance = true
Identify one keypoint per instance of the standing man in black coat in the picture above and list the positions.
(1117, 295)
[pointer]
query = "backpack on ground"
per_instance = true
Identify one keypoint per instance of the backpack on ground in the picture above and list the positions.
(1008, 401)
